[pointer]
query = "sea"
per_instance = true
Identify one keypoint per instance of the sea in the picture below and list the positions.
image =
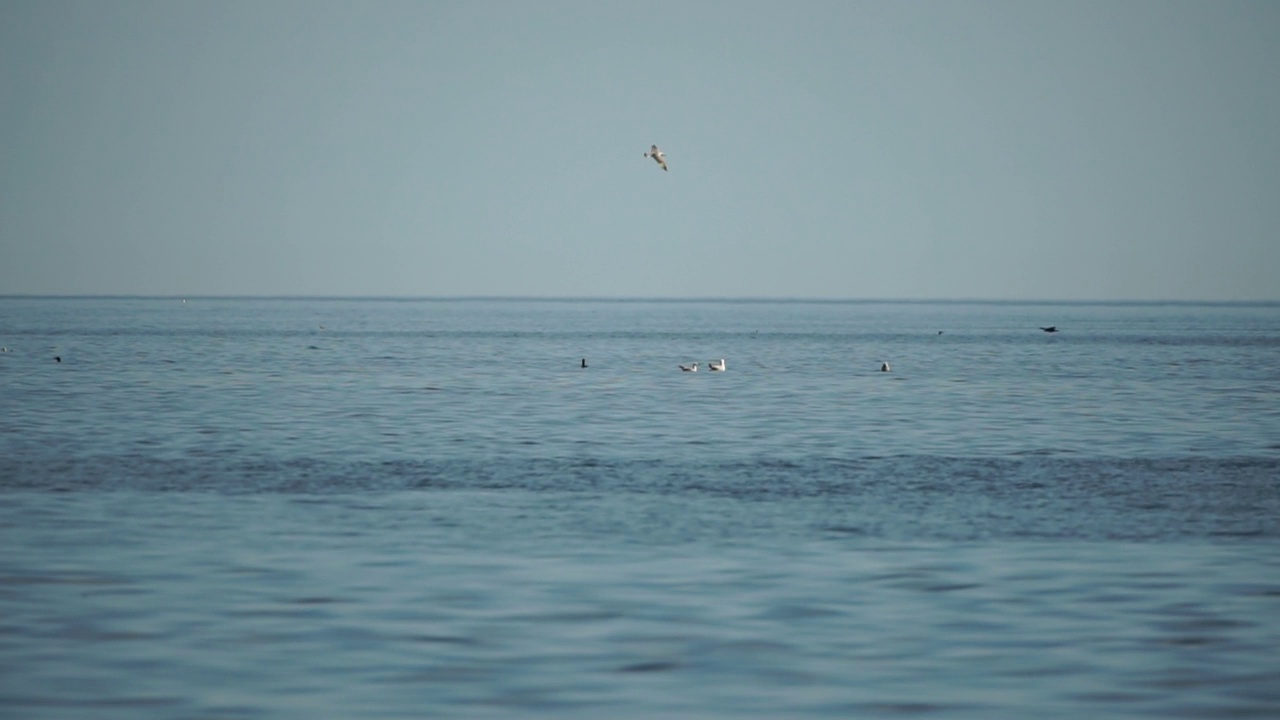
(278, 508)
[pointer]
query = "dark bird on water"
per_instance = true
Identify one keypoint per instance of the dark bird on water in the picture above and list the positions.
(584, 362)
(57, 358)
(1051, 328)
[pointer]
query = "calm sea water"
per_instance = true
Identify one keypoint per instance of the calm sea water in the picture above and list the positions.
(402, 509)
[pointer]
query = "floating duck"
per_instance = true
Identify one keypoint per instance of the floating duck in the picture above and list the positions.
(657, 156)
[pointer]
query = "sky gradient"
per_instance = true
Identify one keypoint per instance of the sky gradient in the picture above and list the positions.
(917, 150)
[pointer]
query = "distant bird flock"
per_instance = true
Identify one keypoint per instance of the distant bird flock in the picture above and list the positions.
(714, 365)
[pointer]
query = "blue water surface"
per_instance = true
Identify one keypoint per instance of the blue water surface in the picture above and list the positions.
(312, 508)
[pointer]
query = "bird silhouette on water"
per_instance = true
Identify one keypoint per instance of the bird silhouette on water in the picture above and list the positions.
(1050, 329)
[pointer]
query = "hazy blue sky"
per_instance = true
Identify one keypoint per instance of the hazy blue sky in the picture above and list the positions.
(890, 149)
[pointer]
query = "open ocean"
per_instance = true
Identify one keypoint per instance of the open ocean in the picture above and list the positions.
(336, 508)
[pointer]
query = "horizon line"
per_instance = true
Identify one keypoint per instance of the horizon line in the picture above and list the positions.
(642, 298)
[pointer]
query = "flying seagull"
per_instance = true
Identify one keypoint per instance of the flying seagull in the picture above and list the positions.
(657, 156)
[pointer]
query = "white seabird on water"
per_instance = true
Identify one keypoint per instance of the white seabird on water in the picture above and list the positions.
(690, 368)
(657, 156)
(716, 366)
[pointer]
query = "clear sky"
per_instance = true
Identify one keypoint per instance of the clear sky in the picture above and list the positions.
(944, 149)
